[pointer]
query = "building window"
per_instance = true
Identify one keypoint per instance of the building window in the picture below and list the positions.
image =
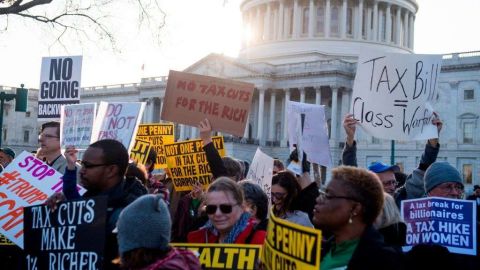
(468, 128)
(27, 114)
(334, 21)
(349, 21)
(305, 21)
(467, 173)
(375, 140)
(26, 136)
(468, 94)
(320, 19)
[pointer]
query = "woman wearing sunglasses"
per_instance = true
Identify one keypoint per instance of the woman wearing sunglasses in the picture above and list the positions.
(228, 222)
(285, 190)
(347, 209)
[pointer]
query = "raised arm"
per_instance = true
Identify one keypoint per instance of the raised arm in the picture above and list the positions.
(70, 176)
(214, 160)
(349, 154)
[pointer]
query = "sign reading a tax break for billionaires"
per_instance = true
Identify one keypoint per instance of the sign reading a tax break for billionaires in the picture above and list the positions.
(393, 95)
(59, 85)
(291, 246)
(188, 163)
(448, 222)
(157, 135)
(224, 256)
(190, 98)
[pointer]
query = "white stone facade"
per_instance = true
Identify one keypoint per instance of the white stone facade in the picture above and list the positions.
(290, 56)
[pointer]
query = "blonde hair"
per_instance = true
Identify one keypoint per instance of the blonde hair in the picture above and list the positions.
(390, 213)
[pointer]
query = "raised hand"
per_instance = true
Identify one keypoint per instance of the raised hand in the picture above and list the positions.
(349, 124)
(71, 156)
(205, 131)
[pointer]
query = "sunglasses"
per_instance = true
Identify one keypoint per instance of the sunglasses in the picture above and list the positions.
(278, 195)
(224, 208)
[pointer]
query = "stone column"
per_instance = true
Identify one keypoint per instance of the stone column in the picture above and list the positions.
(398, 26)
(311, 19)
(193, 133)
(405, 29)
(271, 126)
(375, 21)
(261, 100)
(281, 13)
(369, 23)
(182, 132)
(161, 107)
(318, 95)
(344, 109)
(151, 109)
(343, 22)
(144, 118)
(411, 31)
(285, 117)
(302, 94)
(333, 133)
(388, 30)
(266, 28)
(360, 20)
(327, 19)
(295, 22)
(247, 127)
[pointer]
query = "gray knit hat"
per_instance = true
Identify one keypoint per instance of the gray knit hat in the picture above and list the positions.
(441, 172)
(145, 223)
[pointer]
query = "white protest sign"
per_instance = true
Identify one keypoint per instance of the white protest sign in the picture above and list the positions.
(26, 181)
(59, 85)
(313, 135)
(76, 124)
(393, 95)
(261, 171)
(448, 222)
(118, 121)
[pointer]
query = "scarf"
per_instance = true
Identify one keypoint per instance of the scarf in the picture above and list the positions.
(239, 226)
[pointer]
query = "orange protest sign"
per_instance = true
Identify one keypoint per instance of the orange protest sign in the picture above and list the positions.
(190, 98)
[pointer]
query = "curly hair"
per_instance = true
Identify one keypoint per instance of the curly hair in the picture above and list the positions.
(255, 194)
(365, 187)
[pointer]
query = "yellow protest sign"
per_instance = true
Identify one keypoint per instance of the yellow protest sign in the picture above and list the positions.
(140, 151)
(188, 163)
(224, 256)
(291, 246)
(5, 242)
(158, 135)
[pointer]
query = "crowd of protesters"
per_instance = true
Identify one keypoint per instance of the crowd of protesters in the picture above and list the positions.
(357, 210)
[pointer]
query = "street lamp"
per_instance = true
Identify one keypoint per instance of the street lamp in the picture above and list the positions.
(21, 97)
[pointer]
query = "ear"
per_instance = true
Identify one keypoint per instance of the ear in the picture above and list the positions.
(357, 209)
(112, 171)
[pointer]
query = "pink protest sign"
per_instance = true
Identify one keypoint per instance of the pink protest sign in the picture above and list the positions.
(118, 121)
(25, 182)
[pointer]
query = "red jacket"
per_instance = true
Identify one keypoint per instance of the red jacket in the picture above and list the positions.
(205, 236)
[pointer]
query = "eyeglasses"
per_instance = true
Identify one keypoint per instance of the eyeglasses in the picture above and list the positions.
(450, 187)
(224, 208)
(88, 165)
(390, 183)
(323, 195)
(278, 195)
(47, 136)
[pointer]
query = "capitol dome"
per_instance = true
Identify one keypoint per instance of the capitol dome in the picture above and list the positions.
(282, 31)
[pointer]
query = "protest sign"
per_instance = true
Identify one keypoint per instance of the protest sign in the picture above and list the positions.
(76, 124)
(4, 241)
(157, 135)
(393, 95)
(190, 98)
(24, 182)
(63, 239)
(447, 222)
(140, 151)
(291, 246)
(118, 121)
(188, 163)
(224, 256)
(59, 84)
(308, 129)
(261, 171)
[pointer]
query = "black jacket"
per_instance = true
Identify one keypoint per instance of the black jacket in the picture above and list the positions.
(371, 253)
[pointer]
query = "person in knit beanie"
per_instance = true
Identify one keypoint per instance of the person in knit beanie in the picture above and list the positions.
(144, 229)
(443, 180)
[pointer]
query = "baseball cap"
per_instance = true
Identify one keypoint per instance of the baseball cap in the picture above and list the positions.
(378, 167)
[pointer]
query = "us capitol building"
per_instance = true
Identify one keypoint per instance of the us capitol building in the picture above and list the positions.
(306, 50)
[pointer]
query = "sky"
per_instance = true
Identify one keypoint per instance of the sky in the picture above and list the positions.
(193, 30)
